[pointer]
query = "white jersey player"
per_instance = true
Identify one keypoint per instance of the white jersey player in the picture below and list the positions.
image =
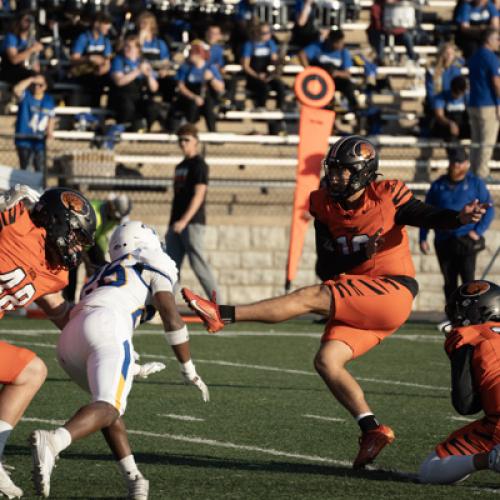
(96, 349)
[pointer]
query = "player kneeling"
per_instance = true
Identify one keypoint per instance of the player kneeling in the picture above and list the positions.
(473, 346)
(95, 349)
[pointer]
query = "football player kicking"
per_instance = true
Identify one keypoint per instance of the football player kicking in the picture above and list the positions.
(95, 349)
(37, 246)
(473, 346)
(364, 258)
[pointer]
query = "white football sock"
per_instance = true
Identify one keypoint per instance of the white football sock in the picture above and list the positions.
(5, 430)
(62, 439)
(446, 470)
(128, 467)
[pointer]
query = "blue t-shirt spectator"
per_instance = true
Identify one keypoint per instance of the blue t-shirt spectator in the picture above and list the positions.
(447, 76)
(445, 100)
(11, 40)
(86, 44)
(190, 74)
(155, 50)
(445, 194)
(483, 66)
(475, 15)
(217, 55)
(259, 53)
(32, 119)
(121, 64)
(318, 53)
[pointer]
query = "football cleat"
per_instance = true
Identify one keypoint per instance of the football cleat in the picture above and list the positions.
(7, 487)
(494, 458)
(138, 488)
(44, 460)
(371, 444)
(208, 311)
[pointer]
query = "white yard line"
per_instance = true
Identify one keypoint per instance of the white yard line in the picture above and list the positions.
(186, 418)
(262, 367)
(328, 419)
(413, 337)
(213, 442)
(461, 419)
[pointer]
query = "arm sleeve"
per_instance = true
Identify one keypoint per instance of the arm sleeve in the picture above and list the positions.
(164, 52)
(463, 14)
(107, 47)
(466, 400)
(418, 214)
(438, 101)
(273, 47)
(200, 176)
(346, 59)
(247, 50)
(79, 45)
(116, 65)
(181, 74)
(329, 262)
(215, 72)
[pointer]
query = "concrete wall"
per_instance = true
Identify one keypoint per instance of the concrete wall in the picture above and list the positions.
(250, 264)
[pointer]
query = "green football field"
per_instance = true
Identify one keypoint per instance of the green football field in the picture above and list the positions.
(271, 429)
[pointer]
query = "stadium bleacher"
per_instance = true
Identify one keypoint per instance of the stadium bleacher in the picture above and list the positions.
(242, 149)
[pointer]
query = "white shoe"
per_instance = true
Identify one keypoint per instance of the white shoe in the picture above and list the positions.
(7, 487)
(44, 460)
(138, 488)
(494, 458)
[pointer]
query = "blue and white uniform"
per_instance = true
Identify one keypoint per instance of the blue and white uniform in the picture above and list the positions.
(95, 348)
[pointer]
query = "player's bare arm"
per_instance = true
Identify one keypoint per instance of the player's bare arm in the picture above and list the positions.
(56, 308)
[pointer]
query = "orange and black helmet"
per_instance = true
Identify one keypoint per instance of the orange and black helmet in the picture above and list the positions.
(356, 154)
(474, 303)
(70, 223)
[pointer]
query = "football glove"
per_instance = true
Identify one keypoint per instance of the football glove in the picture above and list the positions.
(15, 194)
(198, 383)
(458, 338)
(147, 369)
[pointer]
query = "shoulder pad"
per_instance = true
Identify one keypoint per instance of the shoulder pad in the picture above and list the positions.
(157, 260)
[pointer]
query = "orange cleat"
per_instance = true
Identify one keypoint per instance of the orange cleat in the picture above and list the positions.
(207, 310)
(371, 444)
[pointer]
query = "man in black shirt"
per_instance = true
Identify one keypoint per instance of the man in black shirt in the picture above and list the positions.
(187, 219)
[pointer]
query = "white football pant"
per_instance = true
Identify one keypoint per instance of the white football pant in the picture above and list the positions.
(95, 349)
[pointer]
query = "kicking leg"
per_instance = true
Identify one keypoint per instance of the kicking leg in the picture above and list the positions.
(316, 298)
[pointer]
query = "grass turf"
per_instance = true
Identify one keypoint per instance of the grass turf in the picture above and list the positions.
(260, 436)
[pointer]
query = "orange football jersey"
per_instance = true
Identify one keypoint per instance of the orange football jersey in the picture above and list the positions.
(485, 362)
(351, 228)
(24, 272)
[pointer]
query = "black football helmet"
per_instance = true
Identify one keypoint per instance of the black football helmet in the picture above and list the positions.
(474, 303)
(359, 156)
(70, 222)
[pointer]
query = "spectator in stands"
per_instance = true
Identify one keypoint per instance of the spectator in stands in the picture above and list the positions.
(484, 111)
(472, 18)
(332, 56)
(257, 55)
(90, 59)
(34, 123)
(304, 30)
(378, 32)
(155, 51)
(438, 77)
(186, 228)
(450, 111)
(199, 84)
(457, 249)
(243, 24)
(109, 213)
(133, 83)
(20, 50)
(213, 38)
